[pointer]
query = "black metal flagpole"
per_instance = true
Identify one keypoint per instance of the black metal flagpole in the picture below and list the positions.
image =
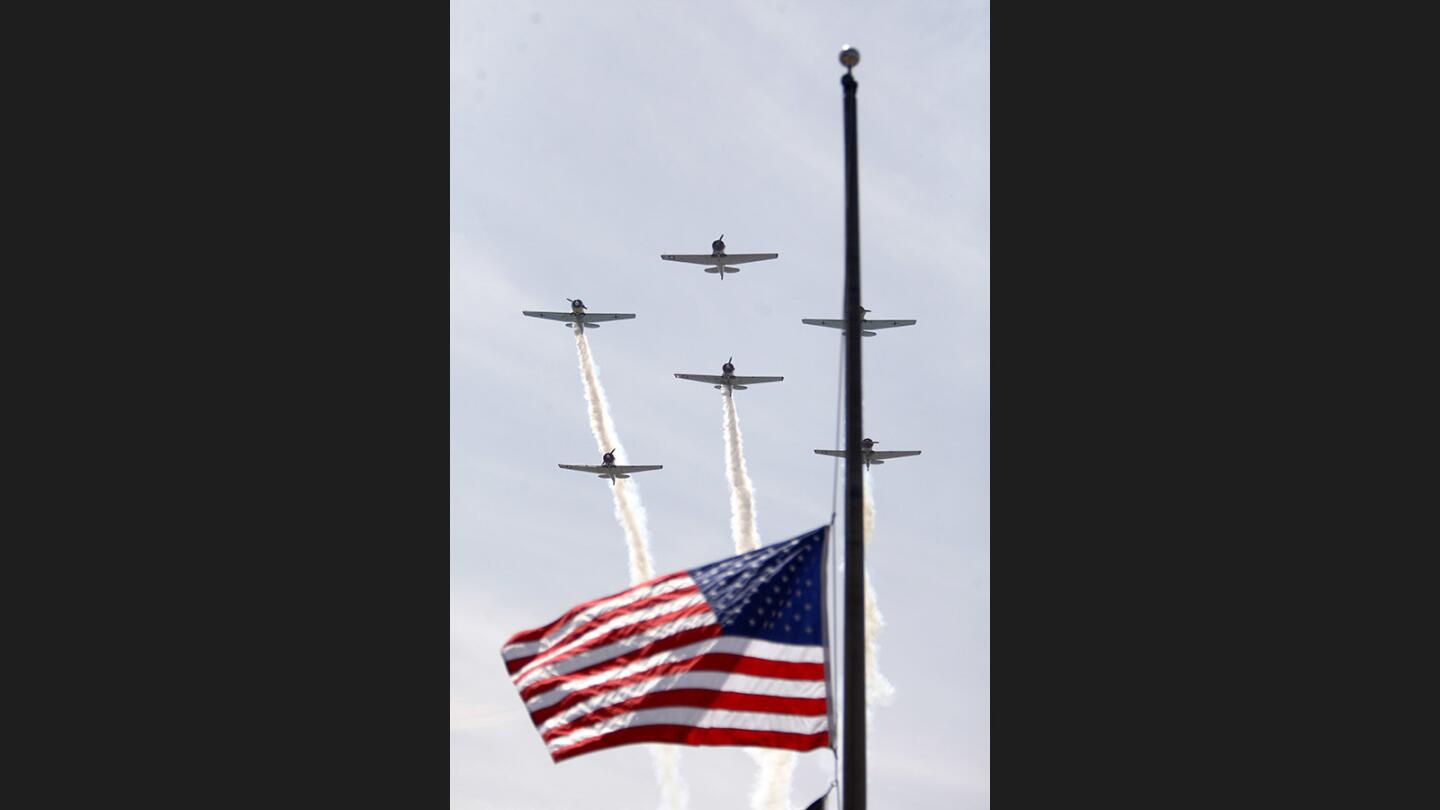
(852, 736)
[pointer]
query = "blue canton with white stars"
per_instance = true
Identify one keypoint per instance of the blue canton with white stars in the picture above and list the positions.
(772, 593)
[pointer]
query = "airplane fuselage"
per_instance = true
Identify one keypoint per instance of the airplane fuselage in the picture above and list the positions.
(608, 460)
(727, 375)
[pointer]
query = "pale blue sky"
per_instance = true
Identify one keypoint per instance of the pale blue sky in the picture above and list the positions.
(587, 139)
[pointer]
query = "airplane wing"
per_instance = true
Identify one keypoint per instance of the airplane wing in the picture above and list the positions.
(835, 453)
(552, 316)
(883, 454)
(600, 469)
(742, 258)
(635, 468)
(705, 258)
(591, 317)
(840, 324)
(753, 380)
(713, 379)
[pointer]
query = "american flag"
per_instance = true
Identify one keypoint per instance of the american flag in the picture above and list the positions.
(731, 653)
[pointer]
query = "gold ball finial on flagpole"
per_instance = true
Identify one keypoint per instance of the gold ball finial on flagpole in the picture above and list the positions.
(849, 57)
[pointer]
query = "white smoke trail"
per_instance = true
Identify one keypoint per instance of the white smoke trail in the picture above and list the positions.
(772, 783)
(742, 493)
(631, 515)
(878, 690)
(674, 795)
(777, 768)
(628, 509)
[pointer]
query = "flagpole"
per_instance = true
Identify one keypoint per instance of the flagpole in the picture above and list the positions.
(852, 736)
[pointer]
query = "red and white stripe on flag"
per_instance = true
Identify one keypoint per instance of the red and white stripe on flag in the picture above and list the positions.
(654, 664)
